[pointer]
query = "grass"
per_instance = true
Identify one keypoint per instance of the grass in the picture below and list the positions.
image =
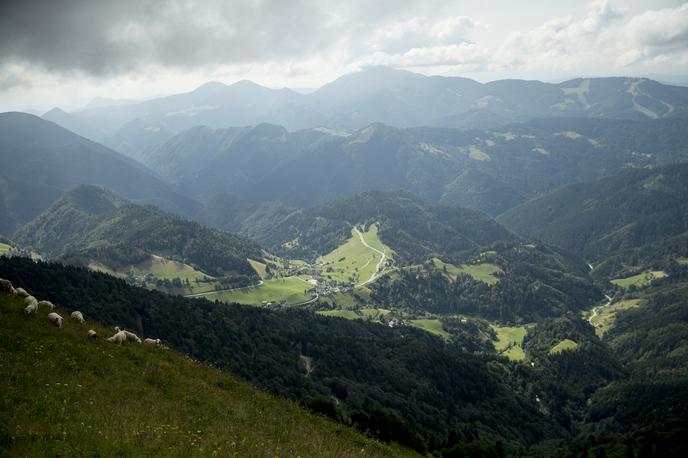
(682, 261)
(291, 290)
(606, 315)
(510, 341)
(5, 249)
(354, 262)
(566, 344)
(167, 269)
(259, 267)
(348, 314)
(639, 281)
(484, 272)
(431, 325)
(476, 153)
(66, 395)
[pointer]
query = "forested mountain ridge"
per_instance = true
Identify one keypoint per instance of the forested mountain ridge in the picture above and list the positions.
(630, 220)
(53, 159)
(490, 170)
(90, 223)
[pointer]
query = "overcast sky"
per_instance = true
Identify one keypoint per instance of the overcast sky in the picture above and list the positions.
(66, 52)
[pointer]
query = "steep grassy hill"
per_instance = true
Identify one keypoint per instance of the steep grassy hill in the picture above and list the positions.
(90, 223)
(399, 384)
(66, 395)
(621, 224)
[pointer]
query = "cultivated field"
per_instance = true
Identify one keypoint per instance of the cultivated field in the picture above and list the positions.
(640, 280)
(431, 325)
(353, 262)
(291, 290)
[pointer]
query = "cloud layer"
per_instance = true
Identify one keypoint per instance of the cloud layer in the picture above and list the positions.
(44, 43)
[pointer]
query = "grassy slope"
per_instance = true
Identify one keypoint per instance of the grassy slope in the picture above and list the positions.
(606, 315)
(259, 267)
(482, 272)
(431, 325)
(353, 259)
(566, 344)
(288, 289)
(510, 335)
(65, 395)
(640, 280)
(4, 248)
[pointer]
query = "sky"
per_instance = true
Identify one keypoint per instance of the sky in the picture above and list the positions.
(67, 52)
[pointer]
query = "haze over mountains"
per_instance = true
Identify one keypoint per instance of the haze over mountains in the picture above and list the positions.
(379, 94)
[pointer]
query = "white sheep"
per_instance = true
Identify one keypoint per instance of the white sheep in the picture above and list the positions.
(28, 300)
(92, 334)
(152, 341)
(78, 316)
(55, 319)
(31, 308)
(131, 336)
(48, 304)
(118, 337)
(22, 292)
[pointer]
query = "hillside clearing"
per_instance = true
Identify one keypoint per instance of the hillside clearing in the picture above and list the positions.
(291, 290)
(566, 344)
(510, 341)
(433, 326)
(5, 249)
(606, 315)
(640, 280)
(259, 267)
(484, 272)
(66, 395)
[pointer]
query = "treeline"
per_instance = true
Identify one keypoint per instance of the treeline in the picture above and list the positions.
(398, 384)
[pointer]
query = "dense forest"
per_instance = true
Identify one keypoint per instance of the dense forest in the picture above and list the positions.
(90, 223)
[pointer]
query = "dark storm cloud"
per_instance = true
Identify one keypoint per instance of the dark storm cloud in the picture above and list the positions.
(102, 37)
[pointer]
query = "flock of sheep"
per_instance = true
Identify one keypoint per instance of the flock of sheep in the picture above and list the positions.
(31, 305)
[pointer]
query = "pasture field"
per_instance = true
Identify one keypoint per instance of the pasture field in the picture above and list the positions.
(510, 341)
(433, 326)
(354, 262)
(348, 314)
(682, 261)
(291, 290)
(566, 344)
(5, 249)
(639, 281)
(484, 272)
(259, 267)
(66, 395)
(606, 315)
(167, 269)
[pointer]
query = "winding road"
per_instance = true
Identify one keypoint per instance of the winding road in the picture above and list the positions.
(596, 310)
(379, 264)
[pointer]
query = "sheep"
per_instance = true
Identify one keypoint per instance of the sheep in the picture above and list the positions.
(152, 341)
(31, 308)
(118, 337)
(55, 319)
(6, 286)
(48, 304)
(22, 292)
(92, 334)
(117, 329)
(29, 300)
(131, 336)
(78, 316)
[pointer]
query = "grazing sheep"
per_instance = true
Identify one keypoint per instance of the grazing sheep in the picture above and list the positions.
(48, 304)
(117, 329)
(118, 337)
(22, 292)
(31, 308)
(131, 336)
(55, 319)
(152, 341)
(6, 286)
(92, 334)
(78, 316)
(28, 300)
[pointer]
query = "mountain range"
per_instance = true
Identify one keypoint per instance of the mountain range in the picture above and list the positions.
(379, 94)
